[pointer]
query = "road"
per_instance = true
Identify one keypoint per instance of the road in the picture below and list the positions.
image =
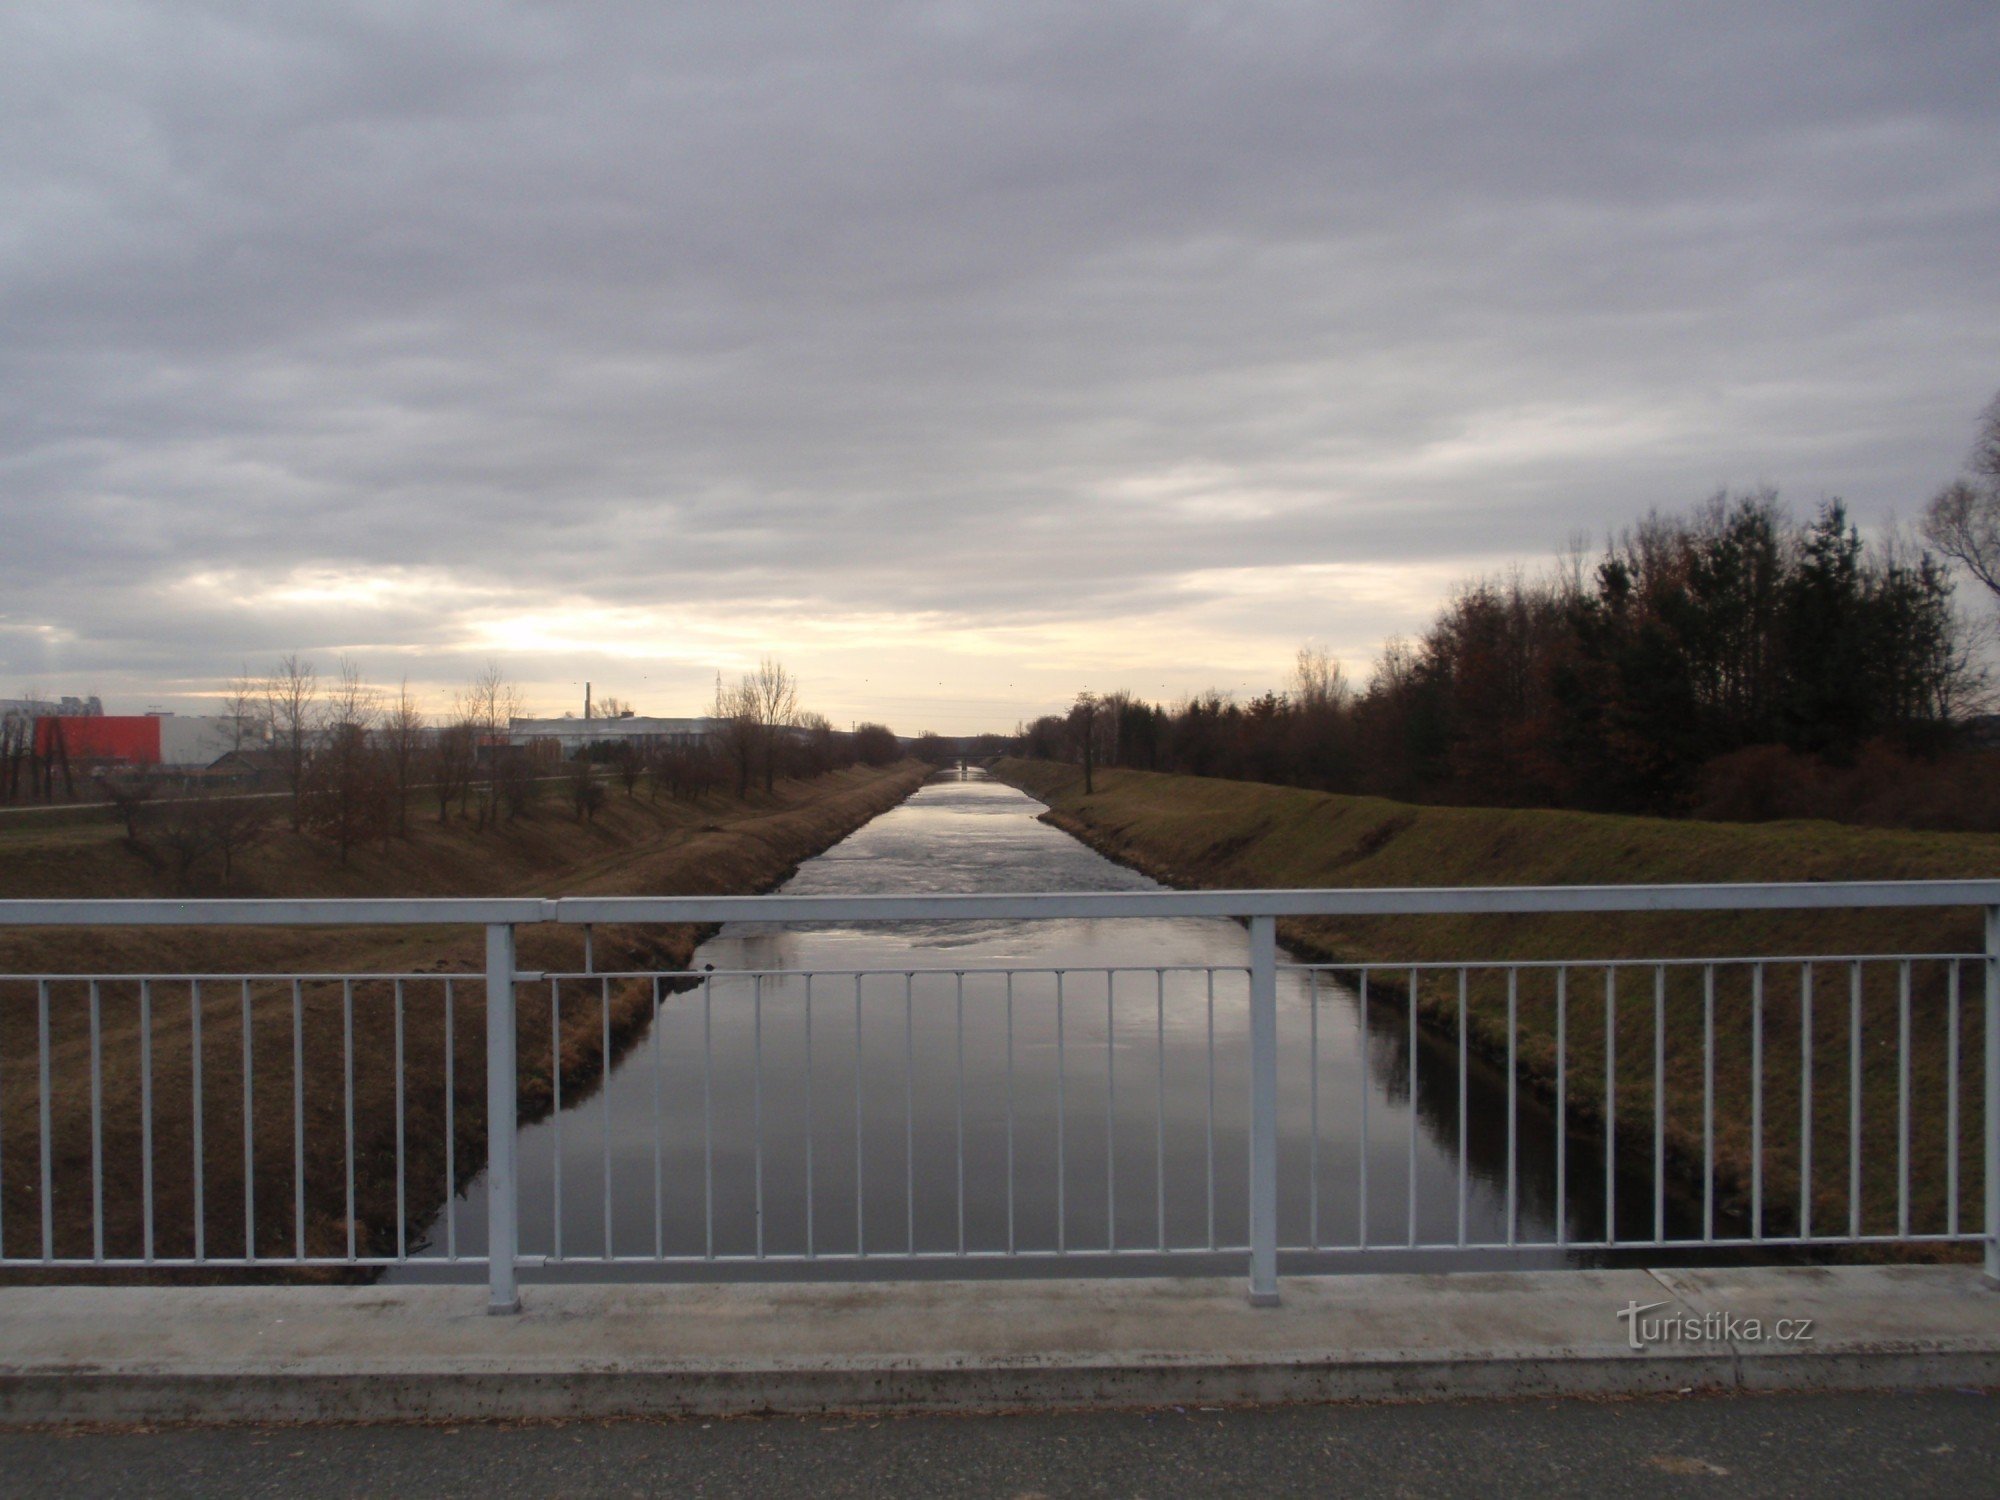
(1937, 1444)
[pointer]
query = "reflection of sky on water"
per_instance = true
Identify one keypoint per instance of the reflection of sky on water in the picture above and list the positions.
(1149, 1143)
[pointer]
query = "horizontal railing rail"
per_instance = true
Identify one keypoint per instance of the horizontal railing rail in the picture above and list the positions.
(1406, 901)
(290, 1119)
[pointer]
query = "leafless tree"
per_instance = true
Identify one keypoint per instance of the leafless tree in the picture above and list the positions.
(246, 705)
(739, 730)
(490, 705)
(586, 792)
(452, 762)
(129, 793)
(1963, 519)
(291, 704)
(774, 703)
(402, 737)
(349, 785)
(609, 707)
(1083, 724)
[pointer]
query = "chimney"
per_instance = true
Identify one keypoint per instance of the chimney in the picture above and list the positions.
(586, 700)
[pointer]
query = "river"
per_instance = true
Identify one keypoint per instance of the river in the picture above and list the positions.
(753, 1120)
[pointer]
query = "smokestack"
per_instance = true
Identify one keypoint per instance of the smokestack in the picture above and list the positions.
(586, 700)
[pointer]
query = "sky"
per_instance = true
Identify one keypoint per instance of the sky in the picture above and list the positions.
(961, 356)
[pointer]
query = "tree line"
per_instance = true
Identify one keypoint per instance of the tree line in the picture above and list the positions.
(1732, 661)
(354, 763)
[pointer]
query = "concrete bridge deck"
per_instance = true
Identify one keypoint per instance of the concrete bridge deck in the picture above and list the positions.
(371, 1353)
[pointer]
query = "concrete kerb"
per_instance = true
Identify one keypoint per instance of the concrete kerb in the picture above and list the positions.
(430, 1353)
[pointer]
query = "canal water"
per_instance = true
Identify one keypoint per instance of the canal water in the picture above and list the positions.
(909, 1098)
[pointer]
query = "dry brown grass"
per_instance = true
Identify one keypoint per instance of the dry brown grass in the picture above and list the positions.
(715, 846)
(1200, 832)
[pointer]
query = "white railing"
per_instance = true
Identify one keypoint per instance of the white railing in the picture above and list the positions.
(776, 1113)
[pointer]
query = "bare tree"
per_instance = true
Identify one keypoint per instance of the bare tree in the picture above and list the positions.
(291, 703)
(129, 793)
(1963, 519)
(246, 705)
(1083, 723)
(453, 759)
(774, 702)
(586, 792)
(348, 784)
(738, 730)
(490, 705)
(402, 737)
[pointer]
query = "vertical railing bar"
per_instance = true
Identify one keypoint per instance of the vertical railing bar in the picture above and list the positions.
(402, 1195)
(1610, 1104)
(1951, 1099)
(1708, 1102)
(1513, 1107)
(1160, 1107)
(1263, 1225)
(249, 1138)
(811, 1244)
(757, 1102)
(1410, 1180)
(1854, 1101)
(1211, 1109)
(909, 1115)
(657, 1024)
(1010, 1112)
(708, 1114)
(97, 1125)
(1110, 1108)
(1805, 1100)
(1903, 1101)
(961, 1041)
(1312, 1108)
(450, 1122)
(1990, 1124)
(1062, 1167)
(145, 1115)
(194, 1082)
(1659, 1103)
(1562, 1105)
(860, 1153)
(503, 1113)
(1361, 1047)
(1463, 982)
(1757, 1101)
(556, 1118)
(604, 1100)
(48, 1196)
(347, 1081)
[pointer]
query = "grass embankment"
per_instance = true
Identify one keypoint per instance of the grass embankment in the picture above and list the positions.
(634, 847)
(1196, 832)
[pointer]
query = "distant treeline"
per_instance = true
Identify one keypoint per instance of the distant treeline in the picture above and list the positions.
(1732, 662)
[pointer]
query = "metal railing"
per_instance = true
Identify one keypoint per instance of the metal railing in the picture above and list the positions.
(782, 1117)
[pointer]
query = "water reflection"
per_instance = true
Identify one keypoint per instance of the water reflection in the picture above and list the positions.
(886, 1106)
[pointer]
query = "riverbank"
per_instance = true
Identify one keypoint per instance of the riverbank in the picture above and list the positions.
(1198, 832)
(711, 846)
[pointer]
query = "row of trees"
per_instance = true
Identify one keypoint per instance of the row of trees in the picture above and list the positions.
(352, 761)
(1640, 684)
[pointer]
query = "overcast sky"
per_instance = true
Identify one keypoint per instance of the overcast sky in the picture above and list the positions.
(961, 355)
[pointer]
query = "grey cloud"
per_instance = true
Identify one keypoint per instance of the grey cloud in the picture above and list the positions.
(917, 308)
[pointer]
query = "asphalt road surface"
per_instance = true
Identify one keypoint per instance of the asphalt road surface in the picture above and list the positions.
(1937, 1444)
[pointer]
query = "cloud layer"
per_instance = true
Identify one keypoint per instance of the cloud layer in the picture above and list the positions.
(962, 354)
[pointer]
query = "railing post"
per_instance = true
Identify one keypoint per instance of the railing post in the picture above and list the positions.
(502, 1212)
(1991, 1123)
(1263, 1112)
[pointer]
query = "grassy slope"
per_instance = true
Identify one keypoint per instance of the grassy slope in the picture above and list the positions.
(1195, 832)
(634, 847)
